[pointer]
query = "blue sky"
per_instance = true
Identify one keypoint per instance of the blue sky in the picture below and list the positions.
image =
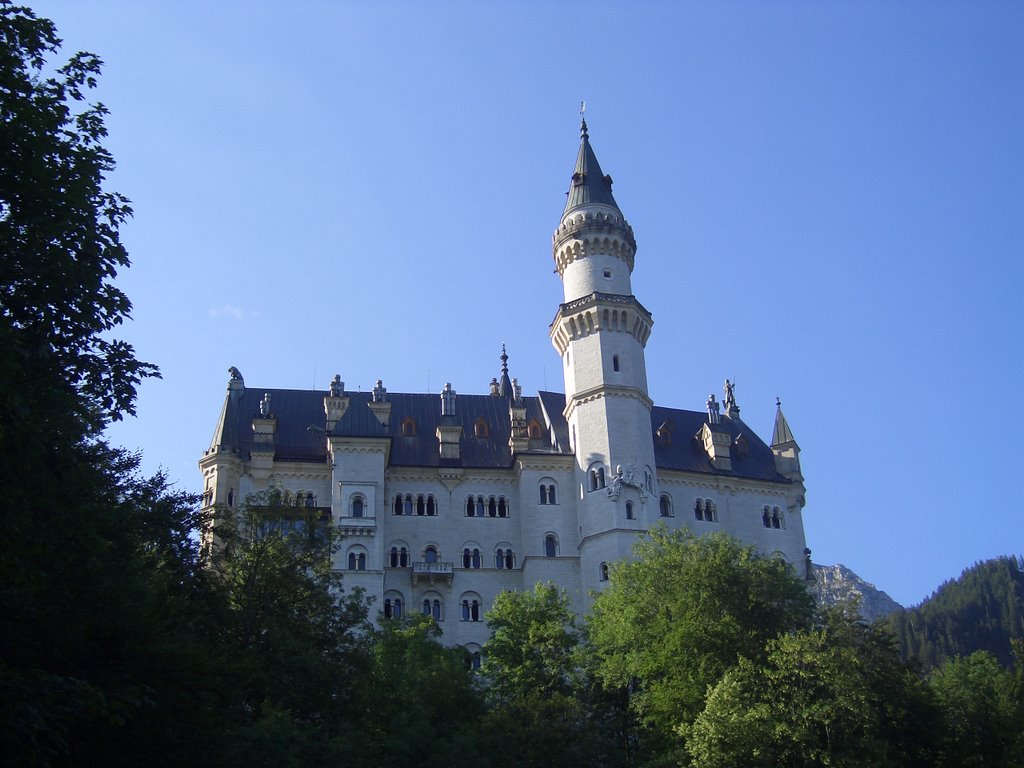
(828, 200)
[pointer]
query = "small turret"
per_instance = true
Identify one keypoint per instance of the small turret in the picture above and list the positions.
(784, 446)
(335, 403)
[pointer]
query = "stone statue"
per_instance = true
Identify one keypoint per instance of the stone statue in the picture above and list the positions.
(236, 375)
(448, 400)
(337, 386)
(713, 412)
(265, 406)
(379, 392)
(628, 476)
(730, 395)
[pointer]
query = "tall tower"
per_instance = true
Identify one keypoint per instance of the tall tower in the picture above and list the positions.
(600, 331)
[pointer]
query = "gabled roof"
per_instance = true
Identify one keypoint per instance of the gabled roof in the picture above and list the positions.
(589, 183)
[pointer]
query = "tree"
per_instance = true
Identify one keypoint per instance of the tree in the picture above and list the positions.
(834, 695)
(426, 704)
(59, 236)
(982, 710)
(532, 648)
(542, 711)
(678, 616)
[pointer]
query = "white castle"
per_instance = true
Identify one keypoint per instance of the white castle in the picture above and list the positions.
(444, 502)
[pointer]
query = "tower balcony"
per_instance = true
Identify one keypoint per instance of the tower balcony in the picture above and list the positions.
(432, 572)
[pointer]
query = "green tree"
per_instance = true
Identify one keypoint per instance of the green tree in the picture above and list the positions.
(835, 695)
(983, 716)
(532, 650)
(295, 638)
(679, 615)
(542, 711)
(426, 705)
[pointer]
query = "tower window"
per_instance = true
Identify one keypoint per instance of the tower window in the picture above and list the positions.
(357, 507)
(550, 545)
(596, 476)
(615, 362)
(665, 505)
(607, 274)
(629, 511)
(603, 572)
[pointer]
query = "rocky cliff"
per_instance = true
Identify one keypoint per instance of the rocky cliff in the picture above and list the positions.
(838, 584)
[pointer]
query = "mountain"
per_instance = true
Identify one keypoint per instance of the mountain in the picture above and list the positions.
(838, 584)
(981, 610)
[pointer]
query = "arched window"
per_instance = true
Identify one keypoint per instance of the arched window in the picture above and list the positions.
(710, 513)
(408, 427)
(480, 506)
(398, 505)
(766, 517)
(430, 554)
(504, 558)
(534, 430)
(603, 572)
(471, 556)
(470, 507)
(393, 557)
(403, 558)
(596, 474)
(474, 660)
(407, 509)
(310, 500)
(231, 497)
(698, 509)
(480, 428)
(357, 506)
(432, 607)
(356, 560)
(431, 506)
(777, 521)
(629, 511)
(550, 545)
(665, 505)
(649, 480)
(547, 493)
(421, 505)
(502, 507)
(543, 494)
(392, 607)
(492, 507)
(470, 604)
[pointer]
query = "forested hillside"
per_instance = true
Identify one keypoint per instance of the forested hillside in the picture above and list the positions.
(983, 610)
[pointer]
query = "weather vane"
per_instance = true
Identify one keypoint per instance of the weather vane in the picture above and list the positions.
(583, 108)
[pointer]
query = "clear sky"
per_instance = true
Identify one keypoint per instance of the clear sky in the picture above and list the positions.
(828, 199)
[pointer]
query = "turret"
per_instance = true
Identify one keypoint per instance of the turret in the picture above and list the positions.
(787, 452)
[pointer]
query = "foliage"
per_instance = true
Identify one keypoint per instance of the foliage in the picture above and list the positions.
(983, 610)
(531, 651)
(836, 695)
(427, 702)
(59, 237)
(983, 710)
(674, 620)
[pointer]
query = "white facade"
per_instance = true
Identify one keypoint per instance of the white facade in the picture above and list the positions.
(444, 502)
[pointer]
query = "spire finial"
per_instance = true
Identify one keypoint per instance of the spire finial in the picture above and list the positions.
(778, 401)
(505, 386)
(583, 121)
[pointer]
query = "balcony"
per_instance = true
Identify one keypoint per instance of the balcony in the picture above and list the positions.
(432, 572)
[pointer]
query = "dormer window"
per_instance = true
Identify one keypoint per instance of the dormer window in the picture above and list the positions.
(480, 428)
(533, 431)
(408, 427)
(607, 274)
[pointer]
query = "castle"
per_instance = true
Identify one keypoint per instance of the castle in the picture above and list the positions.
(446, 501)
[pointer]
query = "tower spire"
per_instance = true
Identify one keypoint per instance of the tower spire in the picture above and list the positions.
(505, 385)
(589, 184)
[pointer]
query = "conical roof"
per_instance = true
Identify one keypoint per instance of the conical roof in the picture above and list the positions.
(782, 433)
(589, 183)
